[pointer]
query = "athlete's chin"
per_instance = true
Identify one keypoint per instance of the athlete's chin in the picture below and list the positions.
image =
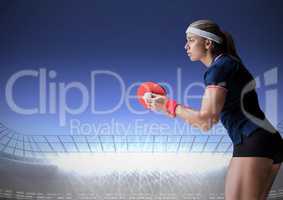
(192, 58)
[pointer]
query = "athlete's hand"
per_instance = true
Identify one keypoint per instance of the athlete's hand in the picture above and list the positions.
(157, 102)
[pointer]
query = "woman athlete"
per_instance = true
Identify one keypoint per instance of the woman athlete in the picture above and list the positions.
(230, 95)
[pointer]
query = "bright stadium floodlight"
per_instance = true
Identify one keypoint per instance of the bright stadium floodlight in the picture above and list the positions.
(104, 163)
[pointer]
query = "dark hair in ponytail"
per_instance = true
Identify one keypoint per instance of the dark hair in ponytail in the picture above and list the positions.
(228, 45)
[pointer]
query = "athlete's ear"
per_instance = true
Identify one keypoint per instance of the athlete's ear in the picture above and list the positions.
(207, 44)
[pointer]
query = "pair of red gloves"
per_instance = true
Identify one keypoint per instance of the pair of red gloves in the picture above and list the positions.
(145, 91)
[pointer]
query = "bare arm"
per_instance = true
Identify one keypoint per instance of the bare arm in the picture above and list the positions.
(212, 103)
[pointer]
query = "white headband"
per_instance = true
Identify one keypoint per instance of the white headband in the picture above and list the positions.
(204, 34)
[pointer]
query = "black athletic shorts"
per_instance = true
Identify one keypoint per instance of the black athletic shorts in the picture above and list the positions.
(261, 143)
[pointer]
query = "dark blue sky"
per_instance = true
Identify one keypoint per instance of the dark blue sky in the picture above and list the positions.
(138, 40)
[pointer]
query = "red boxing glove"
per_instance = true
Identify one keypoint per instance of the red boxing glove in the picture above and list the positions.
(171, 106)
(150, 87)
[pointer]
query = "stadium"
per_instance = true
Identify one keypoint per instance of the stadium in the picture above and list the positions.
(115, 166)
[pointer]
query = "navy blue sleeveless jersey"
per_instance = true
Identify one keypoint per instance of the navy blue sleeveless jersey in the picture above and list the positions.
(241, 98)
